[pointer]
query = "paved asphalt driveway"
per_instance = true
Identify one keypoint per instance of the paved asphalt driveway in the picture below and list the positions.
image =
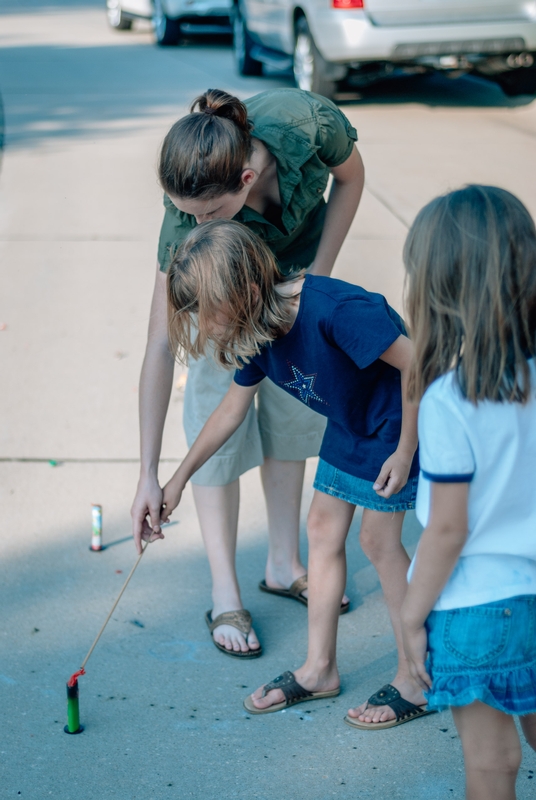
(86, 109)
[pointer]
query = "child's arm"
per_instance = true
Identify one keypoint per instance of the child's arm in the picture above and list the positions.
(219, 427)
(439, 549)
(394, 472)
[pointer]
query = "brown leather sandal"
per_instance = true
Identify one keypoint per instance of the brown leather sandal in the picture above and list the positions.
(293, 691)
(241, 620)
(295, 592)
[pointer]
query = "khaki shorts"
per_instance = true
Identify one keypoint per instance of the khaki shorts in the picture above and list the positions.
(278, 426)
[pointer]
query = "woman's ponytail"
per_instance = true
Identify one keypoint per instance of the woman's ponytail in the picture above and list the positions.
(204, 153)
(220, 104)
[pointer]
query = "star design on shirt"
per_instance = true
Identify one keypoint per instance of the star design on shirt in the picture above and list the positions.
(304, 385)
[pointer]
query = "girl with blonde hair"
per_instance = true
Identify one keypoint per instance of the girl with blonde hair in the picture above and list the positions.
(343, 352)
(471, 603)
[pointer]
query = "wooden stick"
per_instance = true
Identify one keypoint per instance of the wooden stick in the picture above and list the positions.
(106, 621)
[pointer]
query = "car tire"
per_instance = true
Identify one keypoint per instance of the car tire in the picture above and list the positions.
(242, 44)
(311, 70)
(116, 16)
(516, 82)
(167, 31)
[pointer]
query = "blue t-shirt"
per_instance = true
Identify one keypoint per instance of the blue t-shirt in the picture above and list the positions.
(330, 361)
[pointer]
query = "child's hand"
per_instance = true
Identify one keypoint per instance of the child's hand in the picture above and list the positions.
(416, 646)
(171, 498)
(393, 475)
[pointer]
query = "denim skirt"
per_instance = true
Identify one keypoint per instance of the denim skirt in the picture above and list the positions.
(485, 653)
(359, 492)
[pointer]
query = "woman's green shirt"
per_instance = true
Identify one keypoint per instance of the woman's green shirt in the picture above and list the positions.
(308, 135)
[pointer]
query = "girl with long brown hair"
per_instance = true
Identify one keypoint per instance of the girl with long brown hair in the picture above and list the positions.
(343, 352)
(471, 263)
(264, 162)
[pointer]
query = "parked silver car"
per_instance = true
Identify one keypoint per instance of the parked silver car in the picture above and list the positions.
(172, 19)
(333, 44)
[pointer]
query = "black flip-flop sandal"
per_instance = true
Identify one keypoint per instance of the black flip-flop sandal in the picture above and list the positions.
(241, 620)
(295, 592)
(293, 691)
(390, 696)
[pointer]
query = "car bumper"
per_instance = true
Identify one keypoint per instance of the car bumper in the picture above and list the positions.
(346, 37)
(197, 8)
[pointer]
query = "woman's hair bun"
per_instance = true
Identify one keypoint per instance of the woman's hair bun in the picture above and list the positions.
(215, 102)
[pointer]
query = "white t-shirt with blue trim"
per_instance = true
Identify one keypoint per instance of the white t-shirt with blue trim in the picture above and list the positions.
(492, 446)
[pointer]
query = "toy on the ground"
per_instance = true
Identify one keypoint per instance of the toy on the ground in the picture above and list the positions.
(96, 537)
(73, 711)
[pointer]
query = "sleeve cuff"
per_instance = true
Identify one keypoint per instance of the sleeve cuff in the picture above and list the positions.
(247, 383)
(449, 478)
(381, 349)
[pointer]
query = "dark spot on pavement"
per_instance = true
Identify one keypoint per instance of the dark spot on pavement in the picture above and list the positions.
(137, 623)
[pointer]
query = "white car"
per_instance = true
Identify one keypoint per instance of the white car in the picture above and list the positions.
(333, 44)
(172, 18)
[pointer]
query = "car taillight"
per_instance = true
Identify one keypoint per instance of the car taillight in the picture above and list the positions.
(348, 3)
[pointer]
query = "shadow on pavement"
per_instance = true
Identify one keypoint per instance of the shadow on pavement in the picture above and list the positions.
(436, 90)
(44, 6)
(162, 708)
(68, 92)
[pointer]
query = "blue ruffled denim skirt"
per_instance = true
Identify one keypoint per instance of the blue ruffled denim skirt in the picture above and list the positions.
(359, 492)
(485, 653)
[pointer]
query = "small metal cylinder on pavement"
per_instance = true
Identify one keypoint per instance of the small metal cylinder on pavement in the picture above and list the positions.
(96, 536)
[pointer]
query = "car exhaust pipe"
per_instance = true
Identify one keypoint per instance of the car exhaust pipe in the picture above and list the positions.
(517, 60)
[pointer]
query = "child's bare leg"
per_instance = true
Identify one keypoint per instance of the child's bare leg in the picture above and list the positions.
(327, 529)
(491, 751)
(380, 539)
(282, 482)
(528, 724)
(217, 510)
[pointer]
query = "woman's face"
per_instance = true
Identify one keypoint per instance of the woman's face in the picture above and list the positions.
(225, 206)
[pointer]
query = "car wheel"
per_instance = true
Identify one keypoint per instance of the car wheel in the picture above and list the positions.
(242, 44)
(311, 71)
(116, 16)
(167, 31)
(518, 81)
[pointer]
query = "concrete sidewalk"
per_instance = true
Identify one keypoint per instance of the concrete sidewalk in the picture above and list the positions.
(86, 109)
